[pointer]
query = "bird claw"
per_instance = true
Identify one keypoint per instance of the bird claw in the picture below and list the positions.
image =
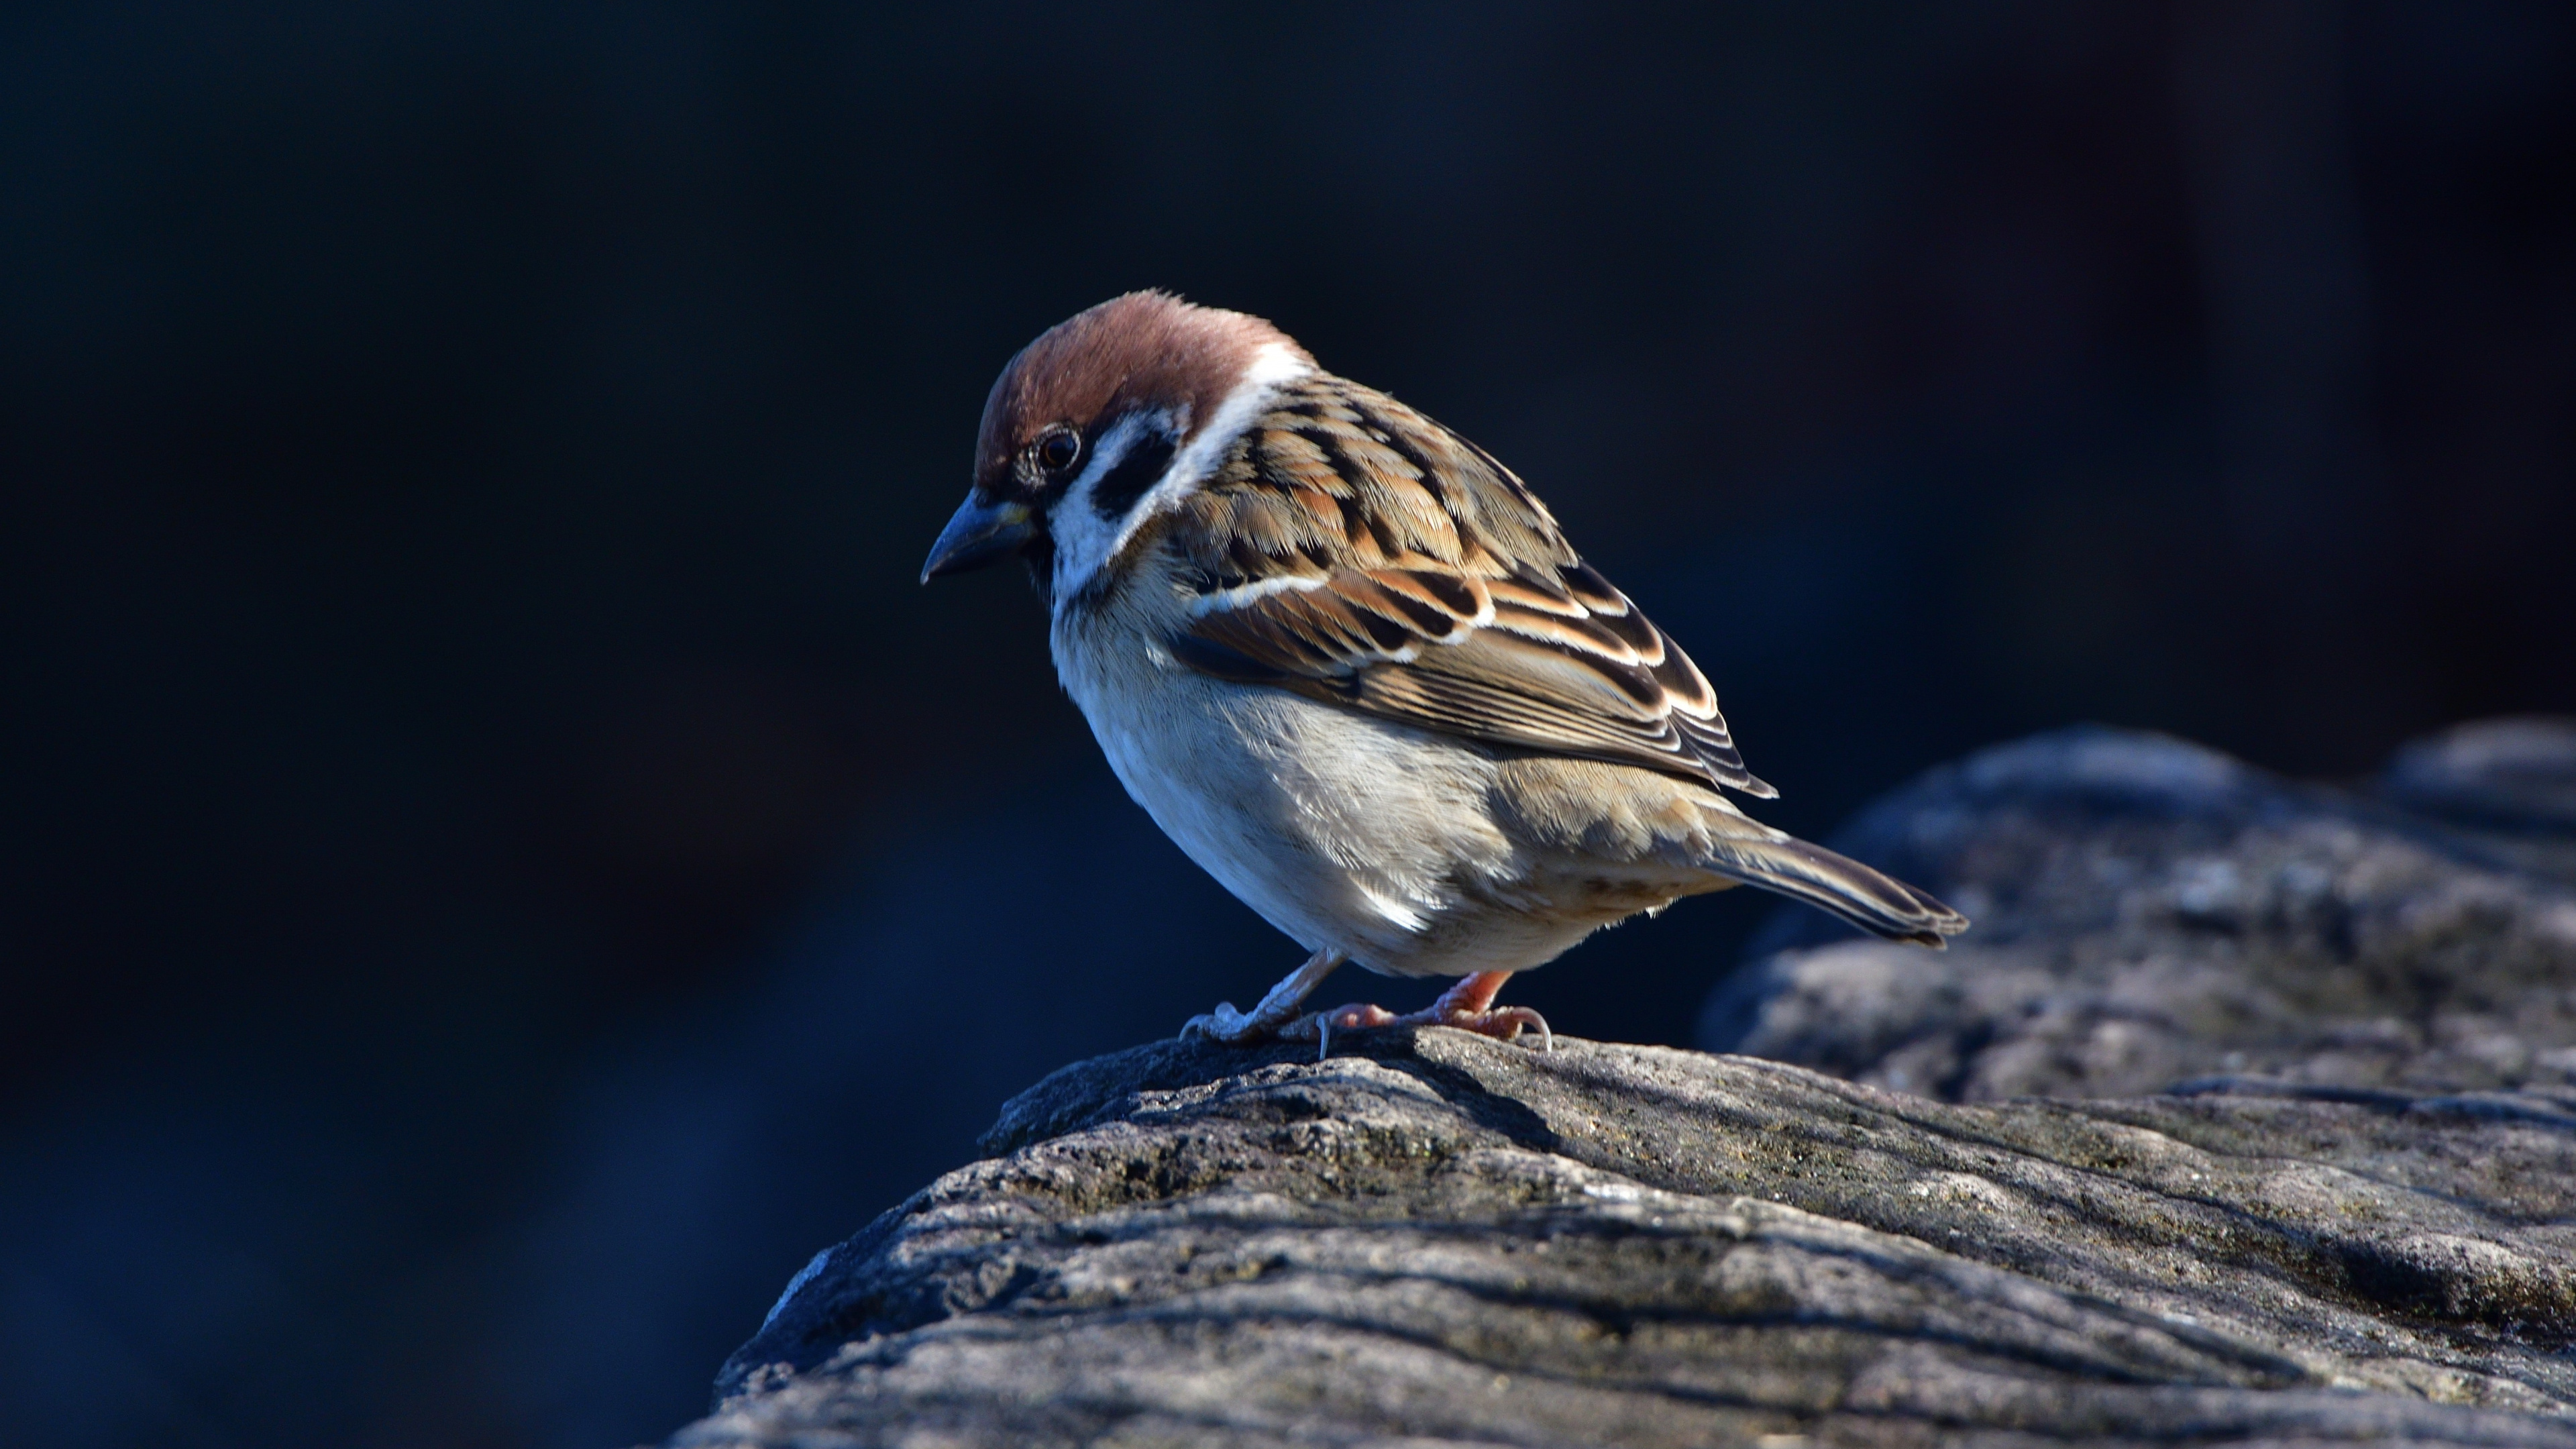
(1225, 1024)
(1521, 1020)
(1275, 1015)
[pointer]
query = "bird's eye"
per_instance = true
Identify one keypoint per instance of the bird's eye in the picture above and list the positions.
(1056, 451)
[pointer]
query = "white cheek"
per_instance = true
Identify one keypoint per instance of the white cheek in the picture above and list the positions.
(1083, 539)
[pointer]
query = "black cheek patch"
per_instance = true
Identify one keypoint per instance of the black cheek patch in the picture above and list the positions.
(1119, 488)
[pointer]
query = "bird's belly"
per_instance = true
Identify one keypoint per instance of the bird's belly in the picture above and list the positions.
(1347, 831)
(1341, 830)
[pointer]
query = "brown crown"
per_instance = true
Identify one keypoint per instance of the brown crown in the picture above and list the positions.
(1142, 349)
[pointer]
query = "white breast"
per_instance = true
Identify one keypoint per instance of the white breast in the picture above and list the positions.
(1340, 829)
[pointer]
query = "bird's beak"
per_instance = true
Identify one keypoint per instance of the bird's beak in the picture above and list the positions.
(979, 534)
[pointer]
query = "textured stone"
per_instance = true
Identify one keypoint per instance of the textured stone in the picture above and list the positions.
(2291, 1159)
(2149, 912)
(1437, 1238)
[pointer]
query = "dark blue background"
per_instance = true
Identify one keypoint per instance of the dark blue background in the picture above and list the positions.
(503, 861)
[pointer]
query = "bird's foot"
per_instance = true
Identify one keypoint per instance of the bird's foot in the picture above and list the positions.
(1276, 1010)
(1467, 1006)
(1227, 1025)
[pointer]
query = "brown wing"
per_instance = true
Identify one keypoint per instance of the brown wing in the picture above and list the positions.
(1355, 551)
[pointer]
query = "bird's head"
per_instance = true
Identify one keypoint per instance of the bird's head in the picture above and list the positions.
(1085, 423)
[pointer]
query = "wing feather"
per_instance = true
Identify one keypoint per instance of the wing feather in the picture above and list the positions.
(1412, 577)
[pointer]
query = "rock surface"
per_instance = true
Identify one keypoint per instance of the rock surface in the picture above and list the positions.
(2150, 913)
(2354, 1219)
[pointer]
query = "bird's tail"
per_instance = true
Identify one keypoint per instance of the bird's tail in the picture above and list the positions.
(1872, 900)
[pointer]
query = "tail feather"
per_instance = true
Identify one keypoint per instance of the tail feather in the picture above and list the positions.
(1872, 900)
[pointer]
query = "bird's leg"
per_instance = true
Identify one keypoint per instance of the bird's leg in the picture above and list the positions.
(1469, 1006)
(1228, 1025)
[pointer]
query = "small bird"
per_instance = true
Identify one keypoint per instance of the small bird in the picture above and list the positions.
(1349, 663)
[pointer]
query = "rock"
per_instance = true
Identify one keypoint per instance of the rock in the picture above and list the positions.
(2508, 774)
(1438, 1238)
(2351, 1218)
(2149, 912)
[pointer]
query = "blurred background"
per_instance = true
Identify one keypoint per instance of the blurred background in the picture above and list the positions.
(503, 862)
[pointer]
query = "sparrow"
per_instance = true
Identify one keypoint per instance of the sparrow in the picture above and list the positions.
(1349, 663)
